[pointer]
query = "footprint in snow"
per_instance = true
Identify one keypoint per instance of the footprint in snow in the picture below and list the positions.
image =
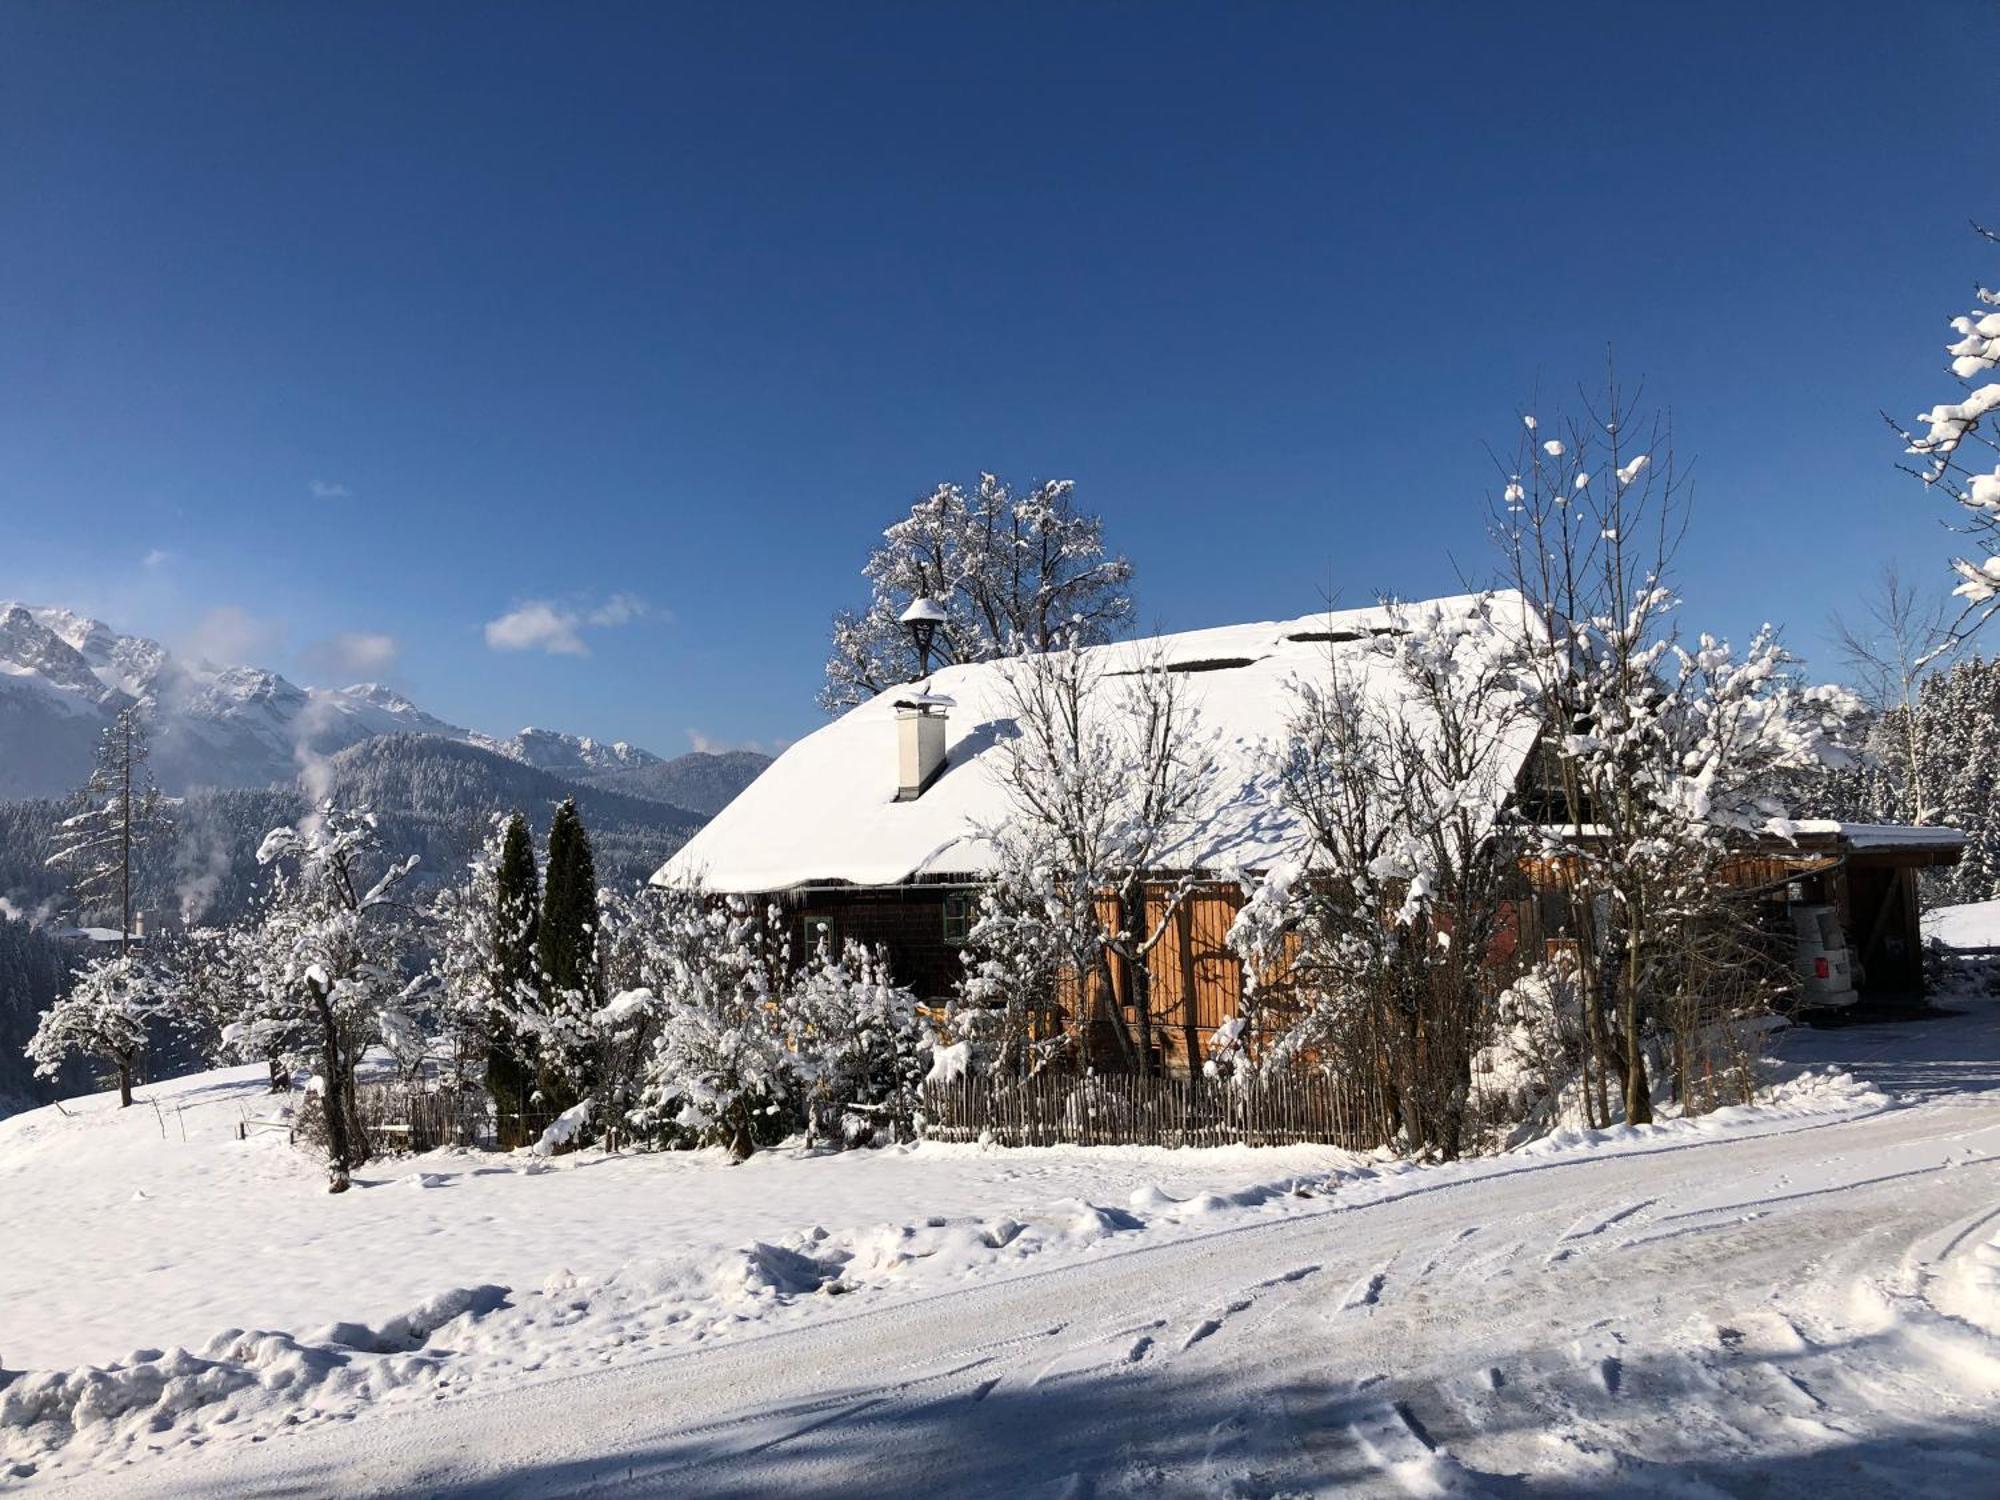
(1366, 1292)
(1213, 1324)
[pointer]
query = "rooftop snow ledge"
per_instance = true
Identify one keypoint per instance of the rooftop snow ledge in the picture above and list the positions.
(1870, 835)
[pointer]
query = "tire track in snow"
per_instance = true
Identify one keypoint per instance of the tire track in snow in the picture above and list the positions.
(1207, 1327)
(1575, 1238)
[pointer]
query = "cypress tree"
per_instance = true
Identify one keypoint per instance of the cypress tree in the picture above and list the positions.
(510, 1075)
(567, 943)
(566, 948)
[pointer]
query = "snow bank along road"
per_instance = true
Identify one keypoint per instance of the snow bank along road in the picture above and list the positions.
(1810, 1308)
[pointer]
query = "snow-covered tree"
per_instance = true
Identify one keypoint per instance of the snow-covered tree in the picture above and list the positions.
(1888, 654)
(859, 1046)
(1956, 447)
(206, 968)
(330, 960)
(1013, 571)
(566, 943)
(119, 816)
(1102, 777)
(104, 1017)
(483, 931)
(1658, 758)
(1939, 754)
(1368, 951)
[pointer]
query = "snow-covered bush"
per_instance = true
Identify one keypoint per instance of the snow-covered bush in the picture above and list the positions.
(861, 1049)
(1367, 953)
(719, 1072)
(1534, 1051)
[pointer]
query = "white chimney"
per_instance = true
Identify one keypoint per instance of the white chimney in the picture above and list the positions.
(919, 742)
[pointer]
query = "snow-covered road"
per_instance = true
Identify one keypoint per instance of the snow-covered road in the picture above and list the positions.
(1788, 1313)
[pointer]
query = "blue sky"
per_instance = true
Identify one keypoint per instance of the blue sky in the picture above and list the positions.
(335, 324)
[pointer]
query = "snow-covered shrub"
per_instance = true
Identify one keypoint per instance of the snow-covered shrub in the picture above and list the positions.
(1532, 1056)
(720, 1072)
(861, 1049)
(1367, 954)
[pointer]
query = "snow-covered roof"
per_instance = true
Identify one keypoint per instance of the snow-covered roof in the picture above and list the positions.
(1873, 835)
(826, 811)
(95, 935)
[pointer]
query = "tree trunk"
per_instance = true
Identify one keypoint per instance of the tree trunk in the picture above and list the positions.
(124, 1083)
(1609, 1056)
(281, 1079)
(742, 1143)
(1107, 1006)
(1138, 979)
(1638, 1091)
(1190, 1034)
(333, 1104)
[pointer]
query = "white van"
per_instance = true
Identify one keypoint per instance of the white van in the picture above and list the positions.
(1826, 972)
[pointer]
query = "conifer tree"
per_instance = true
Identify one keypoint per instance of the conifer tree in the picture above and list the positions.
(119, 814)
(566, 942)
(516, 925)
(566, 952)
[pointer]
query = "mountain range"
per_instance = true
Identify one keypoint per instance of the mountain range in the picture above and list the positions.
(232, 743)
(64, 676)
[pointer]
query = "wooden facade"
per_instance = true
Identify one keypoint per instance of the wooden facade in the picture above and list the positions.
(1196, 983)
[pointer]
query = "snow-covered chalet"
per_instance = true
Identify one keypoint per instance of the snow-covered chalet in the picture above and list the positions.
(869, 828)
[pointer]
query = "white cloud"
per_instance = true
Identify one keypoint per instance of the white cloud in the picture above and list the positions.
(703, 743)
(353, 654)
(326, 489)
(619, 609)
(233, 637)
(159, 557)
(536, 626)
(543, 625)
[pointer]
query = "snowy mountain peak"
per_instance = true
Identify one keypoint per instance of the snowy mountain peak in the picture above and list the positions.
(63, 674)
(30, 649)
(553, 750)
(376, 695)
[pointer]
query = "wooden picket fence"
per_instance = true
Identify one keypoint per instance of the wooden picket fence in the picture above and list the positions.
(399, 1117)
(1128, 1109)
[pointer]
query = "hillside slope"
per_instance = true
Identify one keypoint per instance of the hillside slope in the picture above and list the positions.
(436, 798)
(703, 781)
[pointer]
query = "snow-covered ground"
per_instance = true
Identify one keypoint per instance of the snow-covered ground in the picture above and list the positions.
(1974, 925)
(1802, 1298)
